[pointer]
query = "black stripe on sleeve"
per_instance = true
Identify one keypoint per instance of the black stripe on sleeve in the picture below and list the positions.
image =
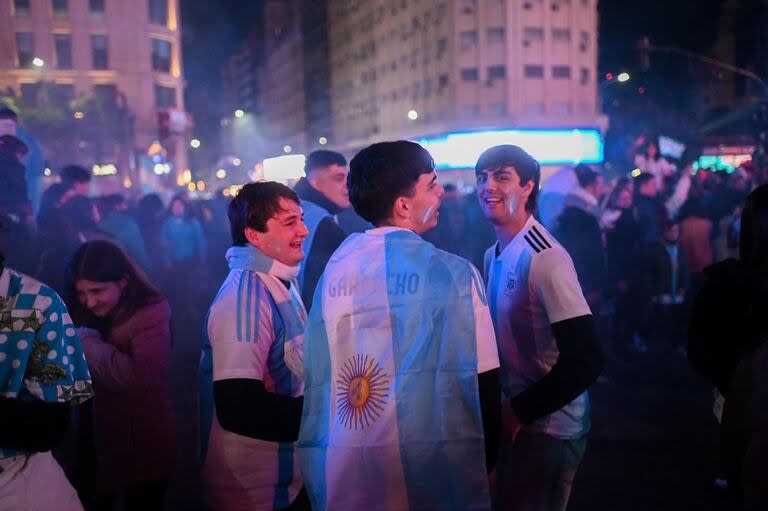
(536, 240)
(533, 227)
(537, 249)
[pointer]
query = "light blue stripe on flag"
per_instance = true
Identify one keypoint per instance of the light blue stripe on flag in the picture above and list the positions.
(315, 420)
(248, 308)
(240, 306)
(438, 410)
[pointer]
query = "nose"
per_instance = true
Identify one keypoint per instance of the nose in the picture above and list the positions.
(303, 231)
(90, 301)
(440, 190)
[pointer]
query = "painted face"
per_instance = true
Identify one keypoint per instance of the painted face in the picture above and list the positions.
(501, 195)
(100, 298)
(284, 236)
(425, 202)
(332, 182)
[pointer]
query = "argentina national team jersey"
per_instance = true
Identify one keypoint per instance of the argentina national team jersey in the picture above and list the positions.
(246, 338)
(532, 284)
(397, 335)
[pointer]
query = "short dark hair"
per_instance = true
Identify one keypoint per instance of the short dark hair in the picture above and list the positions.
(7, 113)
(254, 205)
(381, 173)
(585, 175)
(323, 158)
(11, 146)
(75, 174)
(525, 165)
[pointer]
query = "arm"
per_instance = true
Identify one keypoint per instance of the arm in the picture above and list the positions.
(490, 405)
(578, 366)
(680, 195)
(245, 407)
(144, 364)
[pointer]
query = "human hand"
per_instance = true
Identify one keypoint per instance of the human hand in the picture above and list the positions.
(510, 422)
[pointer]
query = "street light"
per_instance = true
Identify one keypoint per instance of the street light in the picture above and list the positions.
(221, 173)
(79, 115)
(236, 162)
(413, 115)
(322, 140)
(239, 113)
(287, 148)
(195, 143)
(623, 77)
(38, 62)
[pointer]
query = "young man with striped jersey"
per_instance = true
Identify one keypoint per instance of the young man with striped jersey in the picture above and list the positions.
(251, 367)
(400, 356)
(548, 346)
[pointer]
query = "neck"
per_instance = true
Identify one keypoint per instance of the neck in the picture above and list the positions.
(507, 232)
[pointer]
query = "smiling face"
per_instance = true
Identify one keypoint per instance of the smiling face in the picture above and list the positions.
(284, 235)
(502, 196)
(99, 298)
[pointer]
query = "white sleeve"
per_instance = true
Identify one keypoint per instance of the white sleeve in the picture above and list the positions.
(679, 196)
(557, 286)
(485, 336)
(242, 336)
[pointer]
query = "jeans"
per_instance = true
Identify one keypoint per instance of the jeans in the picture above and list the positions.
(536, 472)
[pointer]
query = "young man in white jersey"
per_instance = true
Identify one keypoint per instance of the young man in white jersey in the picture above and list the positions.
(401, 363)
(548, 346)
(251, 368)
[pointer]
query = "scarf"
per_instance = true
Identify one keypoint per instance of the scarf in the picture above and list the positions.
(288, 300)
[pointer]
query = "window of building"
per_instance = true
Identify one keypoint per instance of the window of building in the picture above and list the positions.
(469, 74)
(534, 107)
(562, 35)
(165, 97)
(533, 71)
(467, 39)
(532, 34)
(497, 72)
(468, 6)
(60, 94)
(60, 8)
(442, 81)
(529, 4)
(442, 46)
(21, 8)
(62, 44)
(496, 35)
(471, 111)
(584, 76)
(25, 48)
(559, 4)
(561, 107)
(99, 52)
(158, 12)
(161, 55)
(585, 3)
(497, 109)
(30, 93)
(561, 72)
(96, 7)
(584, 41)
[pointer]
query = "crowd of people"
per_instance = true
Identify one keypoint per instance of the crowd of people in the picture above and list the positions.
(371, 338)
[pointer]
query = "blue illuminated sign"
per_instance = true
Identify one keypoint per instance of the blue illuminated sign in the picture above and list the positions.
(549, 147)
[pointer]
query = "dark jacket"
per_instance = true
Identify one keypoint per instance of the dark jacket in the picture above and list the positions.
(579, 233)
(649, 212)
(13, 187)
(623, 248)
(324, 238)
(658, 271)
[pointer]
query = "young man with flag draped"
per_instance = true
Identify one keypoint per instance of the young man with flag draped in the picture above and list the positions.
(251, 365)
(401, 365)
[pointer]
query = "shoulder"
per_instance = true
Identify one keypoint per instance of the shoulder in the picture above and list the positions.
(36, 294)
(538, 240)
(152, 313)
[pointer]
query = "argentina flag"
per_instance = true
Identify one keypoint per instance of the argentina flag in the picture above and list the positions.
(397, 336)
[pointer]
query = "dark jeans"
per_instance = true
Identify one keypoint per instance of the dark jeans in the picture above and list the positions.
(149, 496)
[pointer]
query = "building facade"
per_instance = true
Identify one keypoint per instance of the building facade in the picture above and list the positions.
(61, 54)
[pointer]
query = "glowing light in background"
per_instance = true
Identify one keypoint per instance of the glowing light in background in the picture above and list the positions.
(287, 148)
(104, 170)
(221, 173)
(239, 113)
(413, 115)
(236, 162)
(195, 143)
(549, 147)
(623, 77)
(201, 185)
(38, 62)
(322, 140)
(78, 115)
(636, 173)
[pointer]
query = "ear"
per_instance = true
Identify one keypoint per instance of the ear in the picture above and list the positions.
(528, 188)
(401, 208)
(253, 236)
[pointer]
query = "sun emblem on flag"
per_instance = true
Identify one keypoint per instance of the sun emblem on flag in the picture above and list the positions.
(362, 392)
